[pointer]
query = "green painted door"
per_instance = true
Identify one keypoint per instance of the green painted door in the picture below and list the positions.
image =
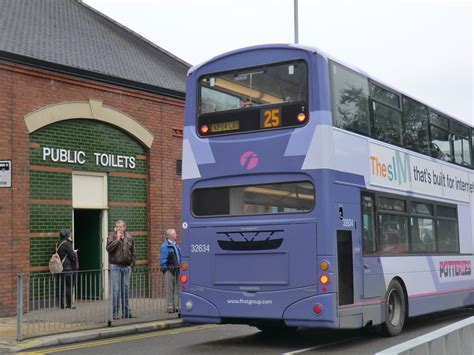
(87, 240)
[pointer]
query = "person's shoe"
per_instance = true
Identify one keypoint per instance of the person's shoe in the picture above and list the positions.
(169, 311)
(116, 317)
(128, 316)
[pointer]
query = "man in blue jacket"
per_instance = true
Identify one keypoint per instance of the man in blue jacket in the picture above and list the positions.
(170, 259)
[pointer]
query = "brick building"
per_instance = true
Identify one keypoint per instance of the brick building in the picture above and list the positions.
(90, 130)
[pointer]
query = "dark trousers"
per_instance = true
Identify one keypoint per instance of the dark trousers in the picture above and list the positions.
(64, 289)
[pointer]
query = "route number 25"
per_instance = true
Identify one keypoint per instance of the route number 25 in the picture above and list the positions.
(271, 118)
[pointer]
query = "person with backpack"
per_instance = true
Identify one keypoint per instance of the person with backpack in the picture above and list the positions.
(67, 257)
(170, 260)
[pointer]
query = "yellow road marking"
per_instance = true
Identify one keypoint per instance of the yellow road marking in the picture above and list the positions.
(121, 339)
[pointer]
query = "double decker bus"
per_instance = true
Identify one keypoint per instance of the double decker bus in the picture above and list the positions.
(316, 196)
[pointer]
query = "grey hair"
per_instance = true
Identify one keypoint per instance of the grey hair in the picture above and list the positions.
(121, 221)
(170, 232)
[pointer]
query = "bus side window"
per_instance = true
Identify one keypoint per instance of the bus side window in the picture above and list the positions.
(393, 234)
(368, 227)
(415, 119)
(350, 99)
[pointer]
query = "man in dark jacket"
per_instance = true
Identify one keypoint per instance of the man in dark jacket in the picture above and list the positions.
(170, 260)
(121, 249)
(64, 280)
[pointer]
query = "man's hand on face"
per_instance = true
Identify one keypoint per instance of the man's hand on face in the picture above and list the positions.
(120, 231)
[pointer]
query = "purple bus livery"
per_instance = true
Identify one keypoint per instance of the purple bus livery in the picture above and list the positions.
(316, 196)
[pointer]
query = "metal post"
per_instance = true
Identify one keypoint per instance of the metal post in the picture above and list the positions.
(19, 307)
(111, 299)
(49, 299)
(296, 20)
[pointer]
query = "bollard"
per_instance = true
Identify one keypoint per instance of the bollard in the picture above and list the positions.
(19, 307)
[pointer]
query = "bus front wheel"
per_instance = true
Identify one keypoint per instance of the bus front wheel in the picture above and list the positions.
(395, 307)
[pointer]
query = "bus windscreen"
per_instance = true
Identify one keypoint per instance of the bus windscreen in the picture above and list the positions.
(250, 99)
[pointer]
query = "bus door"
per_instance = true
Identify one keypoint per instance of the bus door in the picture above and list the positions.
(373, 275)
(349, 257)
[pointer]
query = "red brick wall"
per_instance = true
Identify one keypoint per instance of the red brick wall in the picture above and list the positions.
(24, 90)
(6, 195)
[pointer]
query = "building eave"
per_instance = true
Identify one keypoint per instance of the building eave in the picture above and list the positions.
(89, 75)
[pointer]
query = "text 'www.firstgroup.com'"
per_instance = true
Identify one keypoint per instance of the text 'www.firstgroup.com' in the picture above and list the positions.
(250, 302)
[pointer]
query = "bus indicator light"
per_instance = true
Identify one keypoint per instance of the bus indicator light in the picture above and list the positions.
(184, 266)
(183, 279)
(204, 129)
(301, 117)
(324, 265)
(317, 308)
(324, 288)
(324, 279)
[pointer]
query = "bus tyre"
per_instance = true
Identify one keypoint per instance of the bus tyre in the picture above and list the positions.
(395, 308)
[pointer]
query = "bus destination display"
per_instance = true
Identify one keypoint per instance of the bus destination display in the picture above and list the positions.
(253, 119)
(225, 126)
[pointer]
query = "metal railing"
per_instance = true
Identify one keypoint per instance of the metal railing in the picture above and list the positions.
(50, 304)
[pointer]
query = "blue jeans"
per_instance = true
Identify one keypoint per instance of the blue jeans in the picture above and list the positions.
(120, 282)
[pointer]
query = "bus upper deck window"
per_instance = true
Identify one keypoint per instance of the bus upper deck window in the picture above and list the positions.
(269, 96)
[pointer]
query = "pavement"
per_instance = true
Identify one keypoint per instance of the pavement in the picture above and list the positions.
(9, 343)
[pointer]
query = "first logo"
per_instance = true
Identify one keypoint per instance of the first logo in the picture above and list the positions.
(249, 160)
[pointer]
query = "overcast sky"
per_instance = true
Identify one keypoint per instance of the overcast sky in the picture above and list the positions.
(422, 47)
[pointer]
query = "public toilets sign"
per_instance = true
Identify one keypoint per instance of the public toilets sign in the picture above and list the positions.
(60, 155)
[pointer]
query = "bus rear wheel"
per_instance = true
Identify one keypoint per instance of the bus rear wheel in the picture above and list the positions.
(395, 308)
